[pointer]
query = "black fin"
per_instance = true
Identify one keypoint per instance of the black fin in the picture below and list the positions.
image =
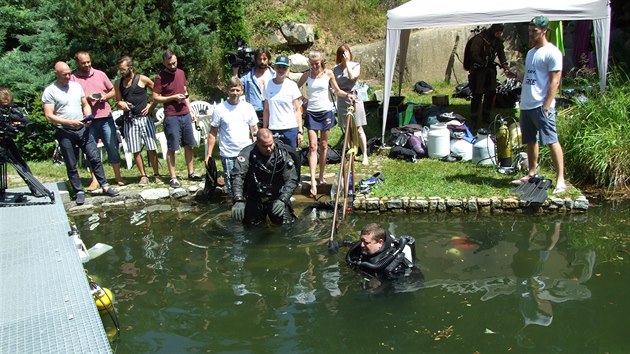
(538, 194)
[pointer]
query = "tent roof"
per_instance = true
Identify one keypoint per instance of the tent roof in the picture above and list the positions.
(441, 13)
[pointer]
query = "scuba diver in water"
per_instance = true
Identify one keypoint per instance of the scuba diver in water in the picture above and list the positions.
(380, 255)
(265, 176)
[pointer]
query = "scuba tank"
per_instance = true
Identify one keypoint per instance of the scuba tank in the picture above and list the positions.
(504, 150)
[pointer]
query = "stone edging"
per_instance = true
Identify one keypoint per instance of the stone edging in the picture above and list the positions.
(494, 205)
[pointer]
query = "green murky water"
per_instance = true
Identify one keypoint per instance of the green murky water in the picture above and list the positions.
(187, 279)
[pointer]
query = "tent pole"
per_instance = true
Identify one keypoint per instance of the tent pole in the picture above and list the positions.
(402, 63)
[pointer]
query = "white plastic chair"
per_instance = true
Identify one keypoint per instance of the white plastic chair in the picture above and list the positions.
(203, 111)
(160, 136)
(122, 143)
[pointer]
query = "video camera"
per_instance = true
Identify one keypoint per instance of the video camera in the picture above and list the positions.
(13, 120)
(244, 57)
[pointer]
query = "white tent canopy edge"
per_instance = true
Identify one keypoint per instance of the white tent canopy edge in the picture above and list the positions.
(429, 14)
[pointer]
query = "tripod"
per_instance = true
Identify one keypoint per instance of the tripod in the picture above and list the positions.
(10, 155)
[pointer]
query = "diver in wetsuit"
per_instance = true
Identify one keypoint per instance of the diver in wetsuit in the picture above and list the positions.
(265, 175)
(379, 255)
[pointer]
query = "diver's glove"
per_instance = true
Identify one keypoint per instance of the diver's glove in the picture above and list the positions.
(277, 208)
(238, 211)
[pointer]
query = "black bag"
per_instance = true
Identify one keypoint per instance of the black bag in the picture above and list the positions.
(463, 91)
(423, 88)
(333, 156)
(508, 93)
(373, 144)
(402, 153)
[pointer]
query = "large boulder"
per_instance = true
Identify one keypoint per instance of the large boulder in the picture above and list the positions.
(298, 33)
(299, 63)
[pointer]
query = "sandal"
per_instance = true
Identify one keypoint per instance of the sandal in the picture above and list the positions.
(560, 189)
(522, 180)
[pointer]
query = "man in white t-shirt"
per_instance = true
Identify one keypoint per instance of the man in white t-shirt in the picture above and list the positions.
(282, 113)
(233, 121)
(543, 72)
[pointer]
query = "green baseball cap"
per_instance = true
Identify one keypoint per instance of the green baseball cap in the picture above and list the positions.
(540, 21)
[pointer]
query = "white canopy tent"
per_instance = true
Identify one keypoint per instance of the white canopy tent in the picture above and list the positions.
(429, 14)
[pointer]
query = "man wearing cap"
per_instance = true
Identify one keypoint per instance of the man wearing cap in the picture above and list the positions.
(282, 105)
(543, 72)
(482, 77)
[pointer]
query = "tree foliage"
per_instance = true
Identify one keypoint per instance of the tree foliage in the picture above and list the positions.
(34, 34)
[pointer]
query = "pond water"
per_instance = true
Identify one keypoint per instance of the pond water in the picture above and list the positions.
(188, 279)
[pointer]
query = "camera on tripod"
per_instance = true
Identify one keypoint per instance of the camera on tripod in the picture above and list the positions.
(13, 121)
(243, 57)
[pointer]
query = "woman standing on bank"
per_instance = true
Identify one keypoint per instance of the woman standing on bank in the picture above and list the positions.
(320, 117)
(346, 74)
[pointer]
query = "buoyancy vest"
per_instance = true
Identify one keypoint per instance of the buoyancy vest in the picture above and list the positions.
(395, 259)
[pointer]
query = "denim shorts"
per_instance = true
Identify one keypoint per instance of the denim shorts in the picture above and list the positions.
(287, 136)
(536, 124)
(179, 129)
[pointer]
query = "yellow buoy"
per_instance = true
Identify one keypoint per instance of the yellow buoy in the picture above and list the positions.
(104, 301)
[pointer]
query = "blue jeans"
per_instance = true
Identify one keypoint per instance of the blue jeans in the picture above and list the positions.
(70, 141)
(105, 128)
(228, 165)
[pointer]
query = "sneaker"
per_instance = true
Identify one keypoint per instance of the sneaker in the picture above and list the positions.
(111, 192)
(144, 180)
(80, 198)
(194, 177)
(174, 183)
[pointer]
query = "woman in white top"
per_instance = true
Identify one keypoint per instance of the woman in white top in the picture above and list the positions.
(347, 73)
(320, 116)
(281, 112)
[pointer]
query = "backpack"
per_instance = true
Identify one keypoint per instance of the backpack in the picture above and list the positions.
(403, 153)
(333, 156)
(463, 91)
(422, 87)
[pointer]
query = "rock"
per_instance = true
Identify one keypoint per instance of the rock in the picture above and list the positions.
(298, 33)
(452, 203)
(299, 63)
(581, 203)
(154, 194)
(295, 76)
(394, 203)
(276, 39)
(179, 193)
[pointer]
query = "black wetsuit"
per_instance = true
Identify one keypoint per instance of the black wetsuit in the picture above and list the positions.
(482, 78)
(389, 262)
(260, 180)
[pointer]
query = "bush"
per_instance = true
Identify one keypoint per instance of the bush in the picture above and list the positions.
(594, 135)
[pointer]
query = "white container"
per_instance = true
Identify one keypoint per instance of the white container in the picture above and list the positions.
(439, 141)
(484, 152)
(462, 148)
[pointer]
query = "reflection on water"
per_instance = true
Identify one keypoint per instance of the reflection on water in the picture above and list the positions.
(188, 279)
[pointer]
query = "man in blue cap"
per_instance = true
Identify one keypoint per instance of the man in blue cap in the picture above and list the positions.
(543, 72)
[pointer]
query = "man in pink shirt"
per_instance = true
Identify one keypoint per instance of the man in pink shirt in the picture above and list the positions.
(170, 89)
(98, 90)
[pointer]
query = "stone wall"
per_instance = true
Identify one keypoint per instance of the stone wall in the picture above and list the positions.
(434, 54)
(494, 205)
